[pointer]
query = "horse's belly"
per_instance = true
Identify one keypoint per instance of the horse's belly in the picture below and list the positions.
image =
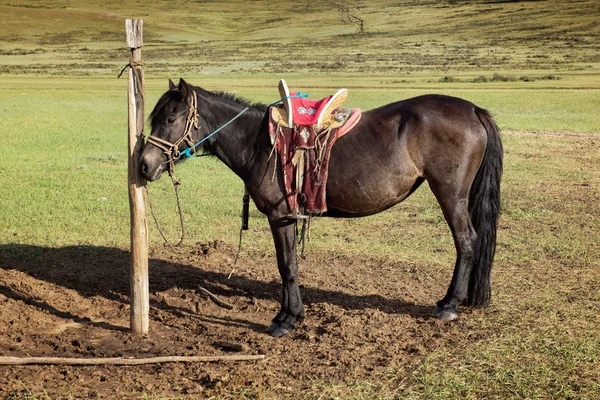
(365, 197)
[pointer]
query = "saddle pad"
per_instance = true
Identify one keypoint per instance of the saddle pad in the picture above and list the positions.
(351, 116)
(312, 180)
(306, 111)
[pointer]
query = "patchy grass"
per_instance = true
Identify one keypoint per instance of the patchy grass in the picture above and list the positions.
(276, 37)
(65, 185)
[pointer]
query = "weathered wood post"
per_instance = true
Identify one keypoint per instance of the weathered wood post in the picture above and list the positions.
(140, 298)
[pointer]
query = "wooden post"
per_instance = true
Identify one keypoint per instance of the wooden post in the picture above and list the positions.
(140, 298)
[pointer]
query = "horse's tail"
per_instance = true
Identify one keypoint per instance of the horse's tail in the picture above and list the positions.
(484, 208)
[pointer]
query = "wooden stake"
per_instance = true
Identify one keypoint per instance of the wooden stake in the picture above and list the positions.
(123, 361)
(140, 298)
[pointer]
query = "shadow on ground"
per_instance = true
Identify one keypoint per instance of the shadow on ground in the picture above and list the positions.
(104, 271)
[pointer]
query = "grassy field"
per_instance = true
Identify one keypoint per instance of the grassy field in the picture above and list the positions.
(534, 64)
(64, 160)
(405, 38)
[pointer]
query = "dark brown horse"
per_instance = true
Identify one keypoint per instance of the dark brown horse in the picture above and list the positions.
(450, 142)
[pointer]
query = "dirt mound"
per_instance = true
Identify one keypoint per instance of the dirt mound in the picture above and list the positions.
(363, 317)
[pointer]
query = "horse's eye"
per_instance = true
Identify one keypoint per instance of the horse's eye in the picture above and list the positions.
(170, 120)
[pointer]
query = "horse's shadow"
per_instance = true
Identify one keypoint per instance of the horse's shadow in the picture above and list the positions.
(104, 271)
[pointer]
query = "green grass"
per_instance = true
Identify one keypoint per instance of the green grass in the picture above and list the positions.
(400, 39)
(63, 162)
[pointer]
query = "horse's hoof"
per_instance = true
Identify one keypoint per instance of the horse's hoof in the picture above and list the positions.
(272, 328)
(447, 315)
(279, 332)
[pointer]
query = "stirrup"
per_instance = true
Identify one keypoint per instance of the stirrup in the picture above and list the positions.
(297, 215)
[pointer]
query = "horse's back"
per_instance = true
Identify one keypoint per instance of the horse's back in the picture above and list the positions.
(379, 162)
(435, 129)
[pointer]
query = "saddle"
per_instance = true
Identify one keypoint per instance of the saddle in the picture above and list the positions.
(303, 132)
(300, 111)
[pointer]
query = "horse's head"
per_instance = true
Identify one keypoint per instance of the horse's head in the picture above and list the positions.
(173, 121)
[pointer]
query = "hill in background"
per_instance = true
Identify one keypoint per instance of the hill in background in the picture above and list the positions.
(364, 37)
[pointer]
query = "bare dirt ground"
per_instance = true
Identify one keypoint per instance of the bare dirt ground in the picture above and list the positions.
(363, 318)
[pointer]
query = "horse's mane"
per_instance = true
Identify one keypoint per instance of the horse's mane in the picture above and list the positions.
(230, 98)
(233, 99)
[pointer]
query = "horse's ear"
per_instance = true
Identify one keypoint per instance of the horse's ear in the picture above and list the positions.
(184, 88)
(171, 85)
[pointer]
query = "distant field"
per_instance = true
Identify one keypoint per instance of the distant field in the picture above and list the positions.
(399, 38)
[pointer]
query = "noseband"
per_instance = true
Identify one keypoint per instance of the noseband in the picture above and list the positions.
(171, 150)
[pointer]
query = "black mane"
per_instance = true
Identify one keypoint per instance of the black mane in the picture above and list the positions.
(233, 99)
(230, 98)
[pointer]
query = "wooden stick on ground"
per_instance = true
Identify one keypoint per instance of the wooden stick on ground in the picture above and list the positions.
(214, 298)
(123, 361)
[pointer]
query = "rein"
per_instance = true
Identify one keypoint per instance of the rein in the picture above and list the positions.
(171, 150)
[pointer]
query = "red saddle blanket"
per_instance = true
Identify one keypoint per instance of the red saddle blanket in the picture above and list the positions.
(306, 111)
(304, 157)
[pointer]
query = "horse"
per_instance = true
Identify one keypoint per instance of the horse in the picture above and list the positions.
(449, 142)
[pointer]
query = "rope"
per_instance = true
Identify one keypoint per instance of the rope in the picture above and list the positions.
(297, 96)
(176, 184)
(130, 64)
(244, 227)
(187, 151)
(171, 150)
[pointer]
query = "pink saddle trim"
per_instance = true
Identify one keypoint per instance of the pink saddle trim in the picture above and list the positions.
(355, 114)
(306, 111)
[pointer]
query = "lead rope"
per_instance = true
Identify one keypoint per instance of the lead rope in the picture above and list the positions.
(176, 184)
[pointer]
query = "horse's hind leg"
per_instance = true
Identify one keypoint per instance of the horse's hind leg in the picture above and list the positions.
(292, 309)
(453, 202)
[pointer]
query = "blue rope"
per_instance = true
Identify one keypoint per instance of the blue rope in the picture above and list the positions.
(187, 152)
(297, 96)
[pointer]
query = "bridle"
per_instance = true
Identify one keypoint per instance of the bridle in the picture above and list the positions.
(171, 150)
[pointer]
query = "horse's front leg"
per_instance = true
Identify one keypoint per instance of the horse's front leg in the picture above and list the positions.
(292, 309)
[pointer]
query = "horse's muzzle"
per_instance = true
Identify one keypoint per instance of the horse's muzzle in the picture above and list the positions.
(151, 166)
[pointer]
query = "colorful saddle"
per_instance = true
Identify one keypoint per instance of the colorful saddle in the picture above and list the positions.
(303, 132)
(300, 111)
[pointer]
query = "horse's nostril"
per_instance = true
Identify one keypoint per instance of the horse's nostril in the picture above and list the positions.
(144, 168)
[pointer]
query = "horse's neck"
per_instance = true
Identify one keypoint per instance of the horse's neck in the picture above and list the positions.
(234, 144)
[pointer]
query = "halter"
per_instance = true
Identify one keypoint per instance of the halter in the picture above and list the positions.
(171, 150)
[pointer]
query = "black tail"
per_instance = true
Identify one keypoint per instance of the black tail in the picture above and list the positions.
(484, 208)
